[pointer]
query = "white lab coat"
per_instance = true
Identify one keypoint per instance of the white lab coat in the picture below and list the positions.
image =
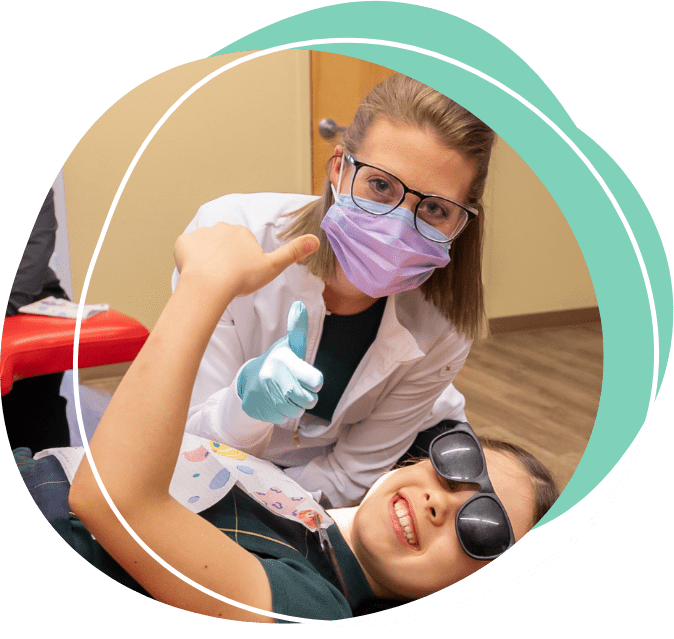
(401, 387)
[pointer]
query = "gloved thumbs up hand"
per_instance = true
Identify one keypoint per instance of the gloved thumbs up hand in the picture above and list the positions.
(279, 385)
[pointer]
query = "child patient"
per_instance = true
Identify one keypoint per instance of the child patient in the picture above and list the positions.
(238, 526)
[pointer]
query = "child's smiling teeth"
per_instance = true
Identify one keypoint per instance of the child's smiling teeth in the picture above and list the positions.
(405, 522)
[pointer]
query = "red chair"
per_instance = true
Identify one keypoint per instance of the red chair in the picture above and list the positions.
(37, 345)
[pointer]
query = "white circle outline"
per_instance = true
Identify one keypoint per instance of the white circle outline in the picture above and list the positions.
(141, 150)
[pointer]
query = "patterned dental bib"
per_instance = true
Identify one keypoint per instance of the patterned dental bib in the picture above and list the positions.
(207, 470)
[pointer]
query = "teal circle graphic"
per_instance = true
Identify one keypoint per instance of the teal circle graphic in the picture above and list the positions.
(613, 228)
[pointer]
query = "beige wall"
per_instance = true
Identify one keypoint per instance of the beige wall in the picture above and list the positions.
(249, 130)
(246, 131)
(532, 261)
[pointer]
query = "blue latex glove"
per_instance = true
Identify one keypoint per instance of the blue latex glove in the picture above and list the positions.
(280, 385)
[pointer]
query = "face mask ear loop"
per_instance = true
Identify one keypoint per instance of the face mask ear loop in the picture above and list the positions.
(339, 181)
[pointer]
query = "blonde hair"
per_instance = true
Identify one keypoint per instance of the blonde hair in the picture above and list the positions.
(455, 290)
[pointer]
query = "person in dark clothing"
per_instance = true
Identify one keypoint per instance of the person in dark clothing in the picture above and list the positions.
(34, 411)
(34, 279)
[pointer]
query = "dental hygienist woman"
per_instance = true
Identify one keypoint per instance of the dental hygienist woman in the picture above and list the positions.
(334, 368)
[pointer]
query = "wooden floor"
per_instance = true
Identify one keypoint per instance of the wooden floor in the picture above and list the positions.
(539, 389)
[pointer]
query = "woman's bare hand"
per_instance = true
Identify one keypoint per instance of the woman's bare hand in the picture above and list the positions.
(229, 255)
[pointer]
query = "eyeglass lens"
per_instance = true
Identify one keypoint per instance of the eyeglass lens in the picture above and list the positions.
(483, 528)
(458, 457)
(378, 186)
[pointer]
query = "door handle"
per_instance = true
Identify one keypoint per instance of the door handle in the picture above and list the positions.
(328, 128)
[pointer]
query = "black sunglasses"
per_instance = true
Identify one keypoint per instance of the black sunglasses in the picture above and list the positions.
(482, 524)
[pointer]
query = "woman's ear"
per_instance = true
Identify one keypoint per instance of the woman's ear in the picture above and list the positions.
(336, 165)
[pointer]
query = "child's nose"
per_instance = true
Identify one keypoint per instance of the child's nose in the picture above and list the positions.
(445, 504)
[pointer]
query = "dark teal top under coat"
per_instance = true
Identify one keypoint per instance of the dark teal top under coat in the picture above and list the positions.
(343, 344)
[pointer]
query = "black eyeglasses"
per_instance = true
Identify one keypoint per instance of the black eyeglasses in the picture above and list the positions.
(378, 192)
(482, 524)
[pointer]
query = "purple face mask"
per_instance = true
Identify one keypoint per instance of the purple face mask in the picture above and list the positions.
(382, 254)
